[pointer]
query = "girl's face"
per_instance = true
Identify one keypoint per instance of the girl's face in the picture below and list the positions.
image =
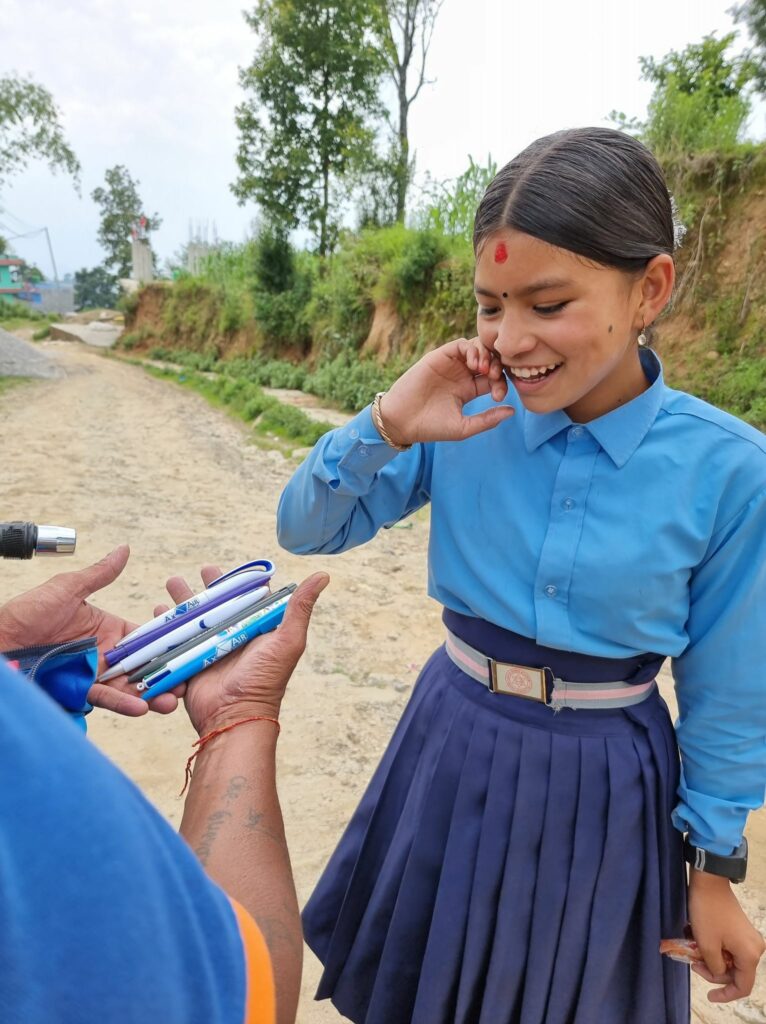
(564, 328)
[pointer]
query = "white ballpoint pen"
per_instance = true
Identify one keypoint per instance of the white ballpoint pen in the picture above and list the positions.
(185, 632)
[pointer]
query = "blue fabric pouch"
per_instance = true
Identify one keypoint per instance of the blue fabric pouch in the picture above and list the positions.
(64, 671)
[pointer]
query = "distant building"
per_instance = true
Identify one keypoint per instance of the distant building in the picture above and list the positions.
(12, 285)
(42, 297)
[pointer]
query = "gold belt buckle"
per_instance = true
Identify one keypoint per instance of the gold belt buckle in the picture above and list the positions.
(518, 681)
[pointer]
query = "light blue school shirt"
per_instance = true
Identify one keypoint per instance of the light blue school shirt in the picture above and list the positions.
(641, 531)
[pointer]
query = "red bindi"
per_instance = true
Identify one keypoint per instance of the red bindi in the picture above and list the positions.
(501, 253)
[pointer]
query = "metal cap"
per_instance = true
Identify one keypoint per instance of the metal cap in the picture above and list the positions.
(55, 540)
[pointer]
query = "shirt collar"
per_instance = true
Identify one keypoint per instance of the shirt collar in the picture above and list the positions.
(618, 432)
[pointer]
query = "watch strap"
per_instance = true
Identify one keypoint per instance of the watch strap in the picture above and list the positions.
(732, 866)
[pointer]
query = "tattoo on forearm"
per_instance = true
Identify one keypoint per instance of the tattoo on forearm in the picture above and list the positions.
(254, 823)
(235, 787)
(214, 824)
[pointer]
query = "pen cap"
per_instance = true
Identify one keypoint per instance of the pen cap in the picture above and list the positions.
(55, 540)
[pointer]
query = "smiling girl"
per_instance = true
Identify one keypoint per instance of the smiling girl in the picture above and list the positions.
(520, 851)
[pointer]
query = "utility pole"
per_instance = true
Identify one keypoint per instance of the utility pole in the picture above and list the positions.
(50, 250)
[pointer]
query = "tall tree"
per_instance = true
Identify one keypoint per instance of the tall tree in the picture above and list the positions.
(122, 211)
(95, 289)
(406, 30)
(312, 91)
(753, 15)
(30, 129)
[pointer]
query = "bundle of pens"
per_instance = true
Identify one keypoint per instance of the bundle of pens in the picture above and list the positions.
(176, 645)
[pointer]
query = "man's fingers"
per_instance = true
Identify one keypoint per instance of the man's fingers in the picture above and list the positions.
(95, 577)
(209, 573)
(482, 421)
(299, 608)
(111, 699)
(164, 704)
(179, 589)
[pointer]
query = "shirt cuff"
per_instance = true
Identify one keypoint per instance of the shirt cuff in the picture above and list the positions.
(714, 825)
(360, 447)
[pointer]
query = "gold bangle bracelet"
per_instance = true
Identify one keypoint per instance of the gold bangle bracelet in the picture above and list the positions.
(377, 419)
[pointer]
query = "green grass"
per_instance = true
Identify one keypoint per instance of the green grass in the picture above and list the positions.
(7, 383)
(247, 401)
(346, 382)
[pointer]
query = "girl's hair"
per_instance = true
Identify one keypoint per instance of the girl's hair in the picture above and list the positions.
(593, 191)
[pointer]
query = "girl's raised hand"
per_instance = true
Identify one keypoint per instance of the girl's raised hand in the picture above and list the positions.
(426, 403)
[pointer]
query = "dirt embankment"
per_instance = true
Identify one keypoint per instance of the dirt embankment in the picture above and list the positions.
(125, 457)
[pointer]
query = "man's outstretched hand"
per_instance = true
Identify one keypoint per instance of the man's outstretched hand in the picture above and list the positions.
(252, 681)
(58, 610)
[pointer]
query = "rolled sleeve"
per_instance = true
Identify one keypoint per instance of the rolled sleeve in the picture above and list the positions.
(720, 686)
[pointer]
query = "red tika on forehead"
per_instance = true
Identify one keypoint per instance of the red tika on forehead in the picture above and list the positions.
(501, 253)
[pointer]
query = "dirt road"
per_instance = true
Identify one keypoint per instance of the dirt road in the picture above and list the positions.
(125, 457)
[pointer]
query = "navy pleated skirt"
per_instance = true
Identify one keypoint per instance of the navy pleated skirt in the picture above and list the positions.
(509, 864)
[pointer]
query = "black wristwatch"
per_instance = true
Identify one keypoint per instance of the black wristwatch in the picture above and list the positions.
(732, 866)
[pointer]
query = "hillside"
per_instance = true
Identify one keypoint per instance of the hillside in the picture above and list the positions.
(390, 294)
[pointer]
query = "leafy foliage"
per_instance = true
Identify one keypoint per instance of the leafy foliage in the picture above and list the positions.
(753, 15)
(121, 209)
(700, 101)
(312, 90)
(95, 289)
(30, 130)
(450, 207)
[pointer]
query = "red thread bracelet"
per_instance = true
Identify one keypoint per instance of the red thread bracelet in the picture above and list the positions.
(200, 743)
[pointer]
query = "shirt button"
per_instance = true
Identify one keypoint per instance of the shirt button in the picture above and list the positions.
(353, 434)
(575, 433)
(364, 452)
(568, 503)
(551, 591)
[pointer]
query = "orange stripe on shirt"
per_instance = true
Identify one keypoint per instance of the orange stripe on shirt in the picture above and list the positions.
(260, 1004)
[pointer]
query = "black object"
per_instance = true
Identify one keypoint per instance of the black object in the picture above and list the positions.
(732, 866)
(22, 540)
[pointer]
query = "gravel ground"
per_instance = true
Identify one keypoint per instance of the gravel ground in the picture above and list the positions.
(148, 462)
(20, 359)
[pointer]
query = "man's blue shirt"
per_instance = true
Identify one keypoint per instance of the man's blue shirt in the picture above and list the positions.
(641, 531)
(106, 913)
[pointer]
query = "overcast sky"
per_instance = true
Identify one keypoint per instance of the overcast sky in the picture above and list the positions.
(152, 84)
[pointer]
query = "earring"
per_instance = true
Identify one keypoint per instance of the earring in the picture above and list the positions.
(642, 340)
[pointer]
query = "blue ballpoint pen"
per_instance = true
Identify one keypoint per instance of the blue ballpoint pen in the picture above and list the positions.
(228, 640)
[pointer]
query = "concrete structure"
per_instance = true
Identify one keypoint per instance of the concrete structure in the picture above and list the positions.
(143, 267)
(197, 254)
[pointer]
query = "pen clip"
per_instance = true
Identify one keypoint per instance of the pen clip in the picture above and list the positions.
(263, 564)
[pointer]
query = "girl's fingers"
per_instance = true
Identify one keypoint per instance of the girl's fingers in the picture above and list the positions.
(472, 425)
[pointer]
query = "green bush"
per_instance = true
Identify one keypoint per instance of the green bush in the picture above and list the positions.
(351, 382)
(42, 333)
(741, 389)
(18, 311)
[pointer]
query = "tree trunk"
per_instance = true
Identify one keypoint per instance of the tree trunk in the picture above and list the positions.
(325, 208)
(403, 170)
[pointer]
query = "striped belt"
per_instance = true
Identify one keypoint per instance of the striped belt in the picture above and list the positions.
(540, 684)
